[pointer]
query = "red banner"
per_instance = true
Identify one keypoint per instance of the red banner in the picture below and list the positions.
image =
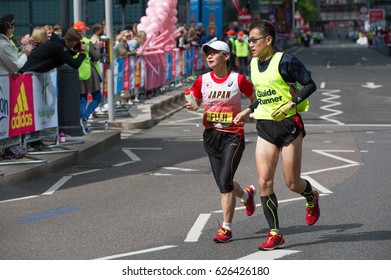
(126, 80)
(21, 105)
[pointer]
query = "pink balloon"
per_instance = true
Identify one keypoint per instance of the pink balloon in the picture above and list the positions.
(166, 6)
(149, 11)
(144, 20)
(174, 20)
(140, 27)
(172, 13)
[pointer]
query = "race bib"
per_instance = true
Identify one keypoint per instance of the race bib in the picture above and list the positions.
(219, 117)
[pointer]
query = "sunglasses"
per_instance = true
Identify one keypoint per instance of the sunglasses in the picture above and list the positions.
(254, 40)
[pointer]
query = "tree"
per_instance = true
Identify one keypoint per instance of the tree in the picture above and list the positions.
(307, 10)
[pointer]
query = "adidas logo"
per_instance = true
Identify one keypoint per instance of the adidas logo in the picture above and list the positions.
(22, 117)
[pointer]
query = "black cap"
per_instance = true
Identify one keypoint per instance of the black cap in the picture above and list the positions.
(9, 18)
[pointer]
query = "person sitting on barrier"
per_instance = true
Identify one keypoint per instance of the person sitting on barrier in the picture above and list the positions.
(10, 60)
(57, 52)
(89, 76)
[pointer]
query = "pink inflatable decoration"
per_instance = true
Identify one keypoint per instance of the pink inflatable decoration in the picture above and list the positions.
(160, 24)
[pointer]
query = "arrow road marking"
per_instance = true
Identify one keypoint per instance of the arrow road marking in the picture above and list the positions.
(327, 153)
(371, 85)
(134, 158)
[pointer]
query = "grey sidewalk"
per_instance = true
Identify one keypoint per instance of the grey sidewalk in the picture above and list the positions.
(143, 115)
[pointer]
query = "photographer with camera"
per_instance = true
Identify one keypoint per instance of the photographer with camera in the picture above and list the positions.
(56, 52)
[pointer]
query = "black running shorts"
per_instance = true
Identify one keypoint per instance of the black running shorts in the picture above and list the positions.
(281, 133)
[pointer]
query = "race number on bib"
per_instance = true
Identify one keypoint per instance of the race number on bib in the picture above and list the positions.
(219, 117)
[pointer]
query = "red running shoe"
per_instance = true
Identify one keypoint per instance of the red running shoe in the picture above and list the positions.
(312, 212)
(250, 207)
(272, 242)
(223, 235)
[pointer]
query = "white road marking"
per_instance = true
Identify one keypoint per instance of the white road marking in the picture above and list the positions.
(84, 172)
(196, 230)
(331, 95)
(316, 185)
(124, 163)
(269, 255)
(130, 154)
(180, 169)
(161, 174)
(371, 85)
(322, 85)
(57, 185)
(19, 198)
(137, 252)
(133, 156)
(327, 154)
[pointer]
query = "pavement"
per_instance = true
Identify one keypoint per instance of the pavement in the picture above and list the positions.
(56, 157)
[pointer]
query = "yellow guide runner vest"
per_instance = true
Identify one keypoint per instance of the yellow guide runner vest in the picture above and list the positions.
(85, 67)
(271, 89)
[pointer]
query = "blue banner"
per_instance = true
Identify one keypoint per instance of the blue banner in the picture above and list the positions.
(212, 16)
(195, 11)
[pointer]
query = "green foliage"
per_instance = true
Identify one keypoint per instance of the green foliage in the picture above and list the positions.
(307, 10)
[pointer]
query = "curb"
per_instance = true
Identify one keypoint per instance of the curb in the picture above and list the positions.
(90, 145)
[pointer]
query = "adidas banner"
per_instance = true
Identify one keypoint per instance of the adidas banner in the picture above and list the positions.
(28, 103)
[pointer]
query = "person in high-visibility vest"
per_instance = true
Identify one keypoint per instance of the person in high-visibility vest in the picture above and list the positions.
(280, 128)
(89, 76)
(242, 52)
(230, 40)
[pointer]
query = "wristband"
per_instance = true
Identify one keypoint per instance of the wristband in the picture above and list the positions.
(253, 105)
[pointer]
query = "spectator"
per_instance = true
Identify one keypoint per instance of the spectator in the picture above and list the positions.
(137, 41)
(242, 52)
(57, 29)
(11, 20)
(38, 37)
(122, 50)
(181, 40)
(89, 76)
(10, 60)
(192, 37)
(231, 43)
(97, 31)
(49, 30)
(56, 52)
(208, 36)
